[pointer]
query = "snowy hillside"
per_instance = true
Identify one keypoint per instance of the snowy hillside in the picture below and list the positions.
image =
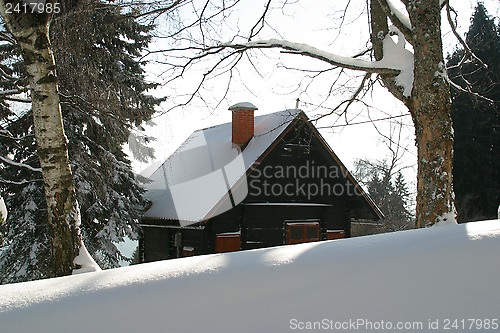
(418, 280)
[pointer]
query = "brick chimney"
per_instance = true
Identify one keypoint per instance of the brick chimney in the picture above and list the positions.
(243, 123)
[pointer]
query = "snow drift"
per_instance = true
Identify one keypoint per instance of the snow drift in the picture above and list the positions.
(424, 276)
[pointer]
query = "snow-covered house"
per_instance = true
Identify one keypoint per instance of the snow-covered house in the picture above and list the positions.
(255, 182)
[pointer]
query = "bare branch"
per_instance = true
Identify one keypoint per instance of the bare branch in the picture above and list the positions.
(468, 90)
(366, 121)
(351, 100)
(259, 25)
(161, 10)
(462, 42)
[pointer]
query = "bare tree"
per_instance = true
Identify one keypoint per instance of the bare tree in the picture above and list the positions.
(384, 180)
(411, 68)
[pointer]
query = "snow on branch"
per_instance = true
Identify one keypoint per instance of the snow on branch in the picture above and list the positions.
(403, 18)
(20, 182)
(9, 92)
(396, 61)
(398, 19)
(17, 164)
(138, 145)
(310, 51)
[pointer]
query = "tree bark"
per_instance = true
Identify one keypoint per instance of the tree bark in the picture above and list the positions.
(429, 105)
(31, 31)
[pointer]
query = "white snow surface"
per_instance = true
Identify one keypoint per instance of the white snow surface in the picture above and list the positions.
(446, 219)
(397, 56)
(3, 209)
(85, 261)
(403, 18)
(419, 276)
(243, 105)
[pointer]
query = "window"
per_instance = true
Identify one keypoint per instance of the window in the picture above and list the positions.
(188, 251)
(228, 242)
(302, 232)
(335, 234)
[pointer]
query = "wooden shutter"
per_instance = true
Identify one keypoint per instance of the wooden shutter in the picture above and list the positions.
(335, 234)
(227, 242)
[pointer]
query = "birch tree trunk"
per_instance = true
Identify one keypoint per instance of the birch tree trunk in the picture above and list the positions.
(31, 31)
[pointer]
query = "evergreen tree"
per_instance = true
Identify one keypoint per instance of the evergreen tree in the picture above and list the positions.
(103, 96)
(476, 121)
(388, 191)
(400, 202)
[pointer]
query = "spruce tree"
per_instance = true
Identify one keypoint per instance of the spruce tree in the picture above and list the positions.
(476, 121)
(104, 96)
(389, 191)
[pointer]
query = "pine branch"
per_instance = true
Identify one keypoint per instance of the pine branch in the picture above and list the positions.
(23, 182)
(18, 164)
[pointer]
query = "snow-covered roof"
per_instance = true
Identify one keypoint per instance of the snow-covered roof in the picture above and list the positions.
(196, 178)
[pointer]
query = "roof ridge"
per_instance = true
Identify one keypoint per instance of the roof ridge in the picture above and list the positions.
(259, 116)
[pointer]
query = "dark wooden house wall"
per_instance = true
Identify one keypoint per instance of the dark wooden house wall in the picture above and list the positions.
(154, 244)
(158, 242)
(262, 218)
(264, 226)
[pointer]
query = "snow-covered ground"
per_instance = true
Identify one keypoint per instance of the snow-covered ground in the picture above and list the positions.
(420, 281)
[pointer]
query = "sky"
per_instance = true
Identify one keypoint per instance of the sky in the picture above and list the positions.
(276, 86)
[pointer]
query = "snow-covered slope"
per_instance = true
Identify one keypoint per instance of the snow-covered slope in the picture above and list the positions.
(428, 276)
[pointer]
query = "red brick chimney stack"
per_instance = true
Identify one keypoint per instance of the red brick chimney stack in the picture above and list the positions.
(243, 123)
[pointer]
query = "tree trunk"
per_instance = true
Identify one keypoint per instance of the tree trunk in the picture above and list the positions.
(430, 106)
(32, 34)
